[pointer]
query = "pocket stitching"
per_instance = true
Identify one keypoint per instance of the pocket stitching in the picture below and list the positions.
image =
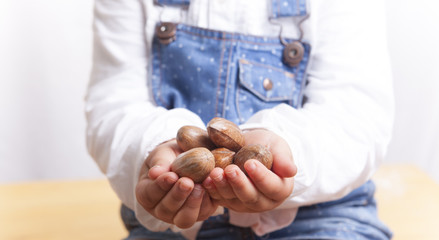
(242, 80)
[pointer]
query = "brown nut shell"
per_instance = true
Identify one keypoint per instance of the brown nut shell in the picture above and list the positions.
(195, 164)
(223, 157)
(225, 133)
(256, 151)
(189, 137)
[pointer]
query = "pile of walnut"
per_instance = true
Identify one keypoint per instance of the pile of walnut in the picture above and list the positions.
(222, 144)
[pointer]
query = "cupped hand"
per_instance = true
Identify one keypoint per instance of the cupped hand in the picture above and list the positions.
(263, 189)
(167, 197)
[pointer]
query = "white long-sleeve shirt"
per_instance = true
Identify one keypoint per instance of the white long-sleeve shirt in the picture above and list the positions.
(337, 139)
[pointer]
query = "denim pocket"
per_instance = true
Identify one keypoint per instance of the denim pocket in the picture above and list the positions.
(264, 86)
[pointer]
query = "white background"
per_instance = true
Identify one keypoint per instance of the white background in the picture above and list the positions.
(45, 60)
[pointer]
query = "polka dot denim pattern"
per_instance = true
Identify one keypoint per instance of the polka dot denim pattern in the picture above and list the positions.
(279, 8)
(288, 8)
(221, 74)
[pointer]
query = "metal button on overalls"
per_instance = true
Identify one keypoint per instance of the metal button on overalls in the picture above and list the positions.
(293, 53)
(166, 31)
(231, 75)
(221, 74)
(224, 74)
(268, 84)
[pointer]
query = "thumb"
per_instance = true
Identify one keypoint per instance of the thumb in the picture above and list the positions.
(283, 162)
(160, 159)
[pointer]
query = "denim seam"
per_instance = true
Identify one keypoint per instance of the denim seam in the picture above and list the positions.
(278, 8)
(255, 92)
(219, 76)
(227, 80)
(160, 79)
(298, 7)
(271, 99)
(236, 40)
(237, 99)
(253, 63)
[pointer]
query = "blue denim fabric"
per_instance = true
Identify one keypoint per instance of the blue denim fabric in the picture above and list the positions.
(288, 8)
(279, 8)
(221, 74)
(173, 2)
(350, 218)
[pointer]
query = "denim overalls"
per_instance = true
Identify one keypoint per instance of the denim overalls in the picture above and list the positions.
(230, 75)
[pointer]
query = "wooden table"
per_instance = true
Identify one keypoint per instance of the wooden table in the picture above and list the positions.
(60, 211)
(408, 202)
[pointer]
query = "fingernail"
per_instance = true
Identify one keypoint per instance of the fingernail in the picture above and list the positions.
(169, 180)
(251, 166)
(231, 174)
(197, 192)
(155, 167)
(218, 178)
(208, 183)
(184, 187)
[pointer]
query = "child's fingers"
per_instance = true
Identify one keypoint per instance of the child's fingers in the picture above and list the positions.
(174, 199)
(207, 208)
(283, 163)
(249, 197)
(211, 189)
(267, 182)
(159, 187)
(188, 213)
(244, 190)
(221, 185)
(161, 157)
(156, 171)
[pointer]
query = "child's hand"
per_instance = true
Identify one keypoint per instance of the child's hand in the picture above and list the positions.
(263, 189)
(166, 196)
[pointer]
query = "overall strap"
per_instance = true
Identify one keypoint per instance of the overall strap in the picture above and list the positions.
(173, 2)
(279, 8)
(288, 8)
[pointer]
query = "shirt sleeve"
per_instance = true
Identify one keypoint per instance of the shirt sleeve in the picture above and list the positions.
(340, 136)
(123, 123)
